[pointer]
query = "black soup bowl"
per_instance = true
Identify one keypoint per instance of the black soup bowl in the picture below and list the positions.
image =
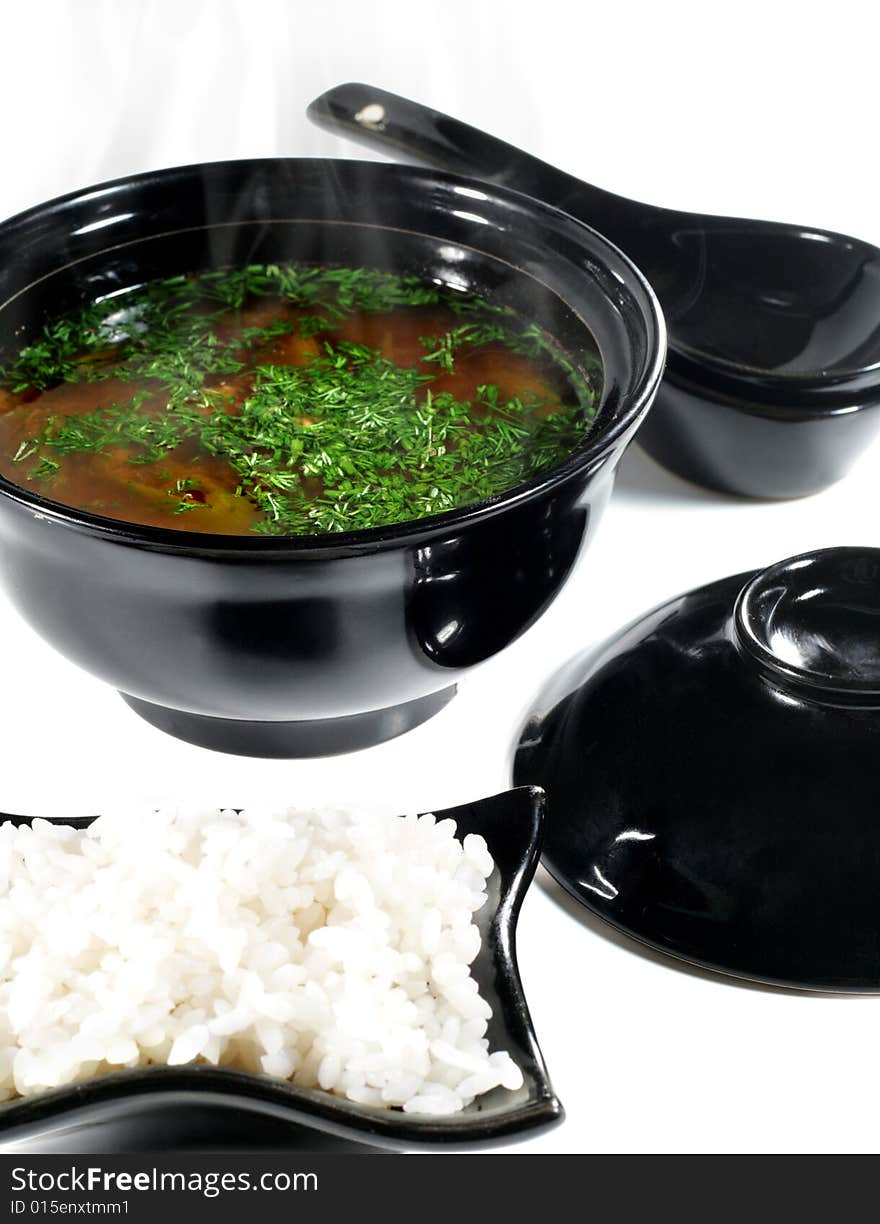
(306, 645)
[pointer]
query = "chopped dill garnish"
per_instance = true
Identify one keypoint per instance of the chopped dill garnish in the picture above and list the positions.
(336, 438)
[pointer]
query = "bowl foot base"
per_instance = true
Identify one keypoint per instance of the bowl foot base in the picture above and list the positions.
(311, 738)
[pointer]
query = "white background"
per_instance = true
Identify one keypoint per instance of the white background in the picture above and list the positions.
(766, 110)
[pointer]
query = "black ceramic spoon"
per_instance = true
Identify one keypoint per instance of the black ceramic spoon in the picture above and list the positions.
(757, 295)
(784, 315)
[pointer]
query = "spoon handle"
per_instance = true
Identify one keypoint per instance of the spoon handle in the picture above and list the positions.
(427, 136)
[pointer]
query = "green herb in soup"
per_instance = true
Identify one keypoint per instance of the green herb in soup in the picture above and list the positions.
(287, 400)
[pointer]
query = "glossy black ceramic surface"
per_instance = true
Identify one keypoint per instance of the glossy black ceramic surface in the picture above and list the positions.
(769, 324)
(312, 644)
(511, 824)
(711, 774)
(736, 444)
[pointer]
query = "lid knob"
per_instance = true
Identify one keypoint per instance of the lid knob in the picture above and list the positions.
(813, 622)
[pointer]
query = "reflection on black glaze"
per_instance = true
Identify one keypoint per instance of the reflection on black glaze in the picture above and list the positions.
(474, 594)
(299, 629)
(716, 795)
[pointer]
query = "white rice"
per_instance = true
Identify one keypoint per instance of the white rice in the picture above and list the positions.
(328, 948)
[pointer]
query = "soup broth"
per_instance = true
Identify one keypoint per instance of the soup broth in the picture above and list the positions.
(287, 400)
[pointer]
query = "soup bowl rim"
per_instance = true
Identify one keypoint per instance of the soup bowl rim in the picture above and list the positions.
(590, 453)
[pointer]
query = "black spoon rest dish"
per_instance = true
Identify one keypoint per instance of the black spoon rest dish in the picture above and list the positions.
(772, 385)
(511, 824)
(712, 774)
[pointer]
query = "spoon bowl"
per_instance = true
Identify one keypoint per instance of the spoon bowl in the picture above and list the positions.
(772, 384)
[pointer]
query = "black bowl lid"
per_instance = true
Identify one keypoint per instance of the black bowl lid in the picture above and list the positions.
(711, 774)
